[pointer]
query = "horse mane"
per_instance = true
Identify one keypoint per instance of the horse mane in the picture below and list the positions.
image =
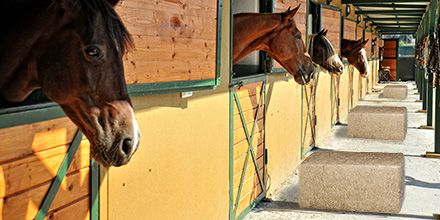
(327, 45)
(116, 29)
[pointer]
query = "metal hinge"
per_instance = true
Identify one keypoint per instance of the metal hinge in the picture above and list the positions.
(265, 156)
(236, 84)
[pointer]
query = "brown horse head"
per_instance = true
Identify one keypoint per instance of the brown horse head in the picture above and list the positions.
(276, 34)
(356, 55)
(76, 58)
(322, 52)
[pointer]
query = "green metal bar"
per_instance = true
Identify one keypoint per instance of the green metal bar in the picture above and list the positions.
(231, 153)
(395, 24)
(94, 190)
(424, 85)
(429, 104)
(437, 120)
(414, 19)
(381, 1)
(390, 6)
(392, 12)
(219, 35)
(47, 202)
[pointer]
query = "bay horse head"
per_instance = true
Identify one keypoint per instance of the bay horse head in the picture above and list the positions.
(322, 52)
(277, 34)
(356, 55)
(73, 52)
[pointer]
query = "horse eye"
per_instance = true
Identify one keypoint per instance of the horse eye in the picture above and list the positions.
(298, 37)
(93, 52)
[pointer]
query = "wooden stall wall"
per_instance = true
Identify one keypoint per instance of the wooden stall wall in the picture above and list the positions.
(175, 41)
(181, 168)
(30, 157)
(283, 116)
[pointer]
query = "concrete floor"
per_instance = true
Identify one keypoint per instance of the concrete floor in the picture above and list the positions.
(422, 175)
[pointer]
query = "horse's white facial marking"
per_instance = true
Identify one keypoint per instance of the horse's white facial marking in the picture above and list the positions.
(334, 59)
(137, 133)
(364, 54)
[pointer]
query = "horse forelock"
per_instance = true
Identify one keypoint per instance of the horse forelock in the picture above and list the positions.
(116, 29)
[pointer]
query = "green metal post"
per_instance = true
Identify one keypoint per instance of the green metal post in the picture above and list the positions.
(437, 120)
(423, 95)
(429, 103)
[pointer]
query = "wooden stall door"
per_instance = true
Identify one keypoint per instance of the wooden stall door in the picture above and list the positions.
(30, 157)
(390, 57)
(331, 20)
(248, 147)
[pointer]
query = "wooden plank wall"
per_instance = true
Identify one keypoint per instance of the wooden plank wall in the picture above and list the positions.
(249, 96)
(368, 45)
(300, 17)
(30, 156)
(349, 30)
(175, 41)
(331, 20)
(359, 32)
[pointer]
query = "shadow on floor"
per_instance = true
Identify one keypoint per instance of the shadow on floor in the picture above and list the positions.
(267, 205)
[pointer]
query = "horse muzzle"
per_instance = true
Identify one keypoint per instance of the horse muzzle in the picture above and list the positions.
(117, 134)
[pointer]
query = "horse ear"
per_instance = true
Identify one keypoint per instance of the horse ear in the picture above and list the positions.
(365, 42)
(325, 32)
(113, 2)
(321, 32)
(290, 13)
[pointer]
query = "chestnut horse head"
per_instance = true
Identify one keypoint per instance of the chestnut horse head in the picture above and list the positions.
(356, 55)
(323, 53)
(277, 34)
(72, 50)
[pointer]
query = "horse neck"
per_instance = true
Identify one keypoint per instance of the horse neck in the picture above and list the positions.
(18, 37)
(251, 32)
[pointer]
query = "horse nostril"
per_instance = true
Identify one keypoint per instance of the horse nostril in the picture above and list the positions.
(127, 146)
(341, 69)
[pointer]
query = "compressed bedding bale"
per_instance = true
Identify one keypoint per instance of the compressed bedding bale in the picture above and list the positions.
(352, 181)
(377, 122)
(395, 91)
